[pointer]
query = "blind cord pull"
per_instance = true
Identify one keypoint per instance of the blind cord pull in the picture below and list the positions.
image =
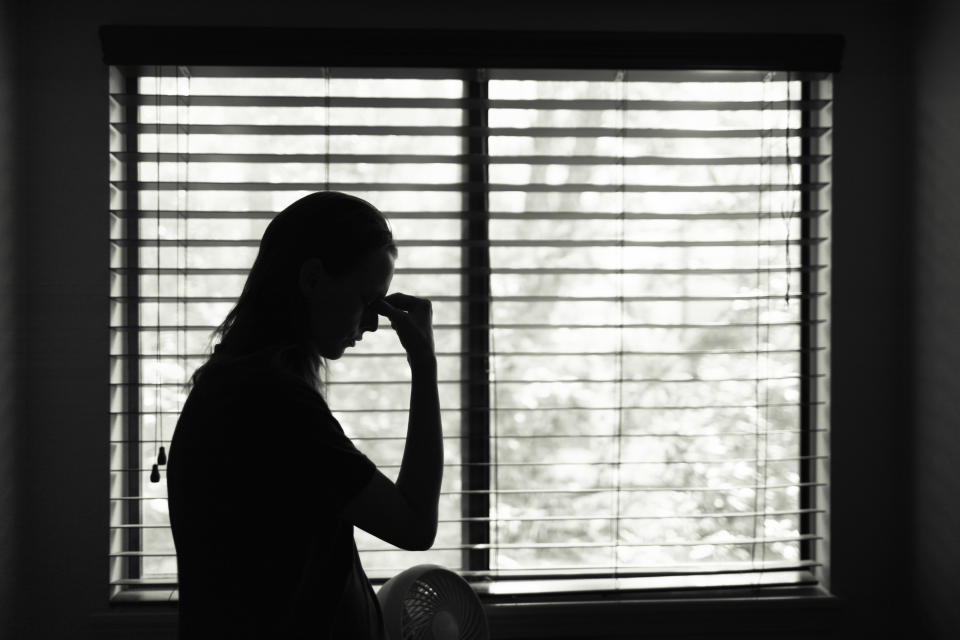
(161, 459)
(181, 271)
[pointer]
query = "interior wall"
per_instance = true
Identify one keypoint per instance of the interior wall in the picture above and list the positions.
(936, 322)
(9, 393)
(63, 479)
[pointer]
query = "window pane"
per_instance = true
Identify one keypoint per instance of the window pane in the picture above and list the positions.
(659, 499)
(651, 298)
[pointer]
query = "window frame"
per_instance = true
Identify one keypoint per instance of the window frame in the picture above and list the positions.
(470, 49)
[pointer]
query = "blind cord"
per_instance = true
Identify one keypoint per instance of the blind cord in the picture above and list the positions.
(495, 468)
(762, 412)
(183, 247)
(186, 216)
(155, 471)
(181, 242)
(483, 75)
(787, 208)
(326, 128)
(621, 79)
(757, 518)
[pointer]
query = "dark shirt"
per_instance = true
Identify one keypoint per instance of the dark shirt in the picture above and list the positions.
(258, 473)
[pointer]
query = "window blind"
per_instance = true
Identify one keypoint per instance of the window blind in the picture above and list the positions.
(629, 271)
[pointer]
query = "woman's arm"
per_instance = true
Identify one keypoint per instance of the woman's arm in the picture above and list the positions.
(405, 514)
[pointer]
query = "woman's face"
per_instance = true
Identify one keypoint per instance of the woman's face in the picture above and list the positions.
(339, 307)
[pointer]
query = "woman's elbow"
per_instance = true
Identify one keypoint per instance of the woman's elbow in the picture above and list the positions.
(423, 539)
(418, 546)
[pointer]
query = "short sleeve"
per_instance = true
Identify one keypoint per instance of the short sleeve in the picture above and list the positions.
(328, 460)
(302, 455)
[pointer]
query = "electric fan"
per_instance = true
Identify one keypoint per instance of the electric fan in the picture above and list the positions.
(430, 602)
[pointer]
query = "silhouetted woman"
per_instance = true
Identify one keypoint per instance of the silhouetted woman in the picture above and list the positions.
(264, 487)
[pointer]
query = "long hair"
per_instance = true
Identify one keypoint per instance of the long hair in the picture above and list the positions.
(269, 320)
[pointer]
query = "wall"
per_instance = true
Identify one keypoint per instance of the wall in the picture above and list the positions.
(63, 480)
(936, 319)
(9, 395)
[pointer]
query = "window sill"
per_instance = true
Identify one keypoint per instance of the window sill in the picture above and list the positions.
(794, 611)
(789, 612)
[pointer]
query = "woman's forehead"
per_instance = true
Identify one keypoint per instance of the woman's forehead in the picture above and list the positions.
(377, 272)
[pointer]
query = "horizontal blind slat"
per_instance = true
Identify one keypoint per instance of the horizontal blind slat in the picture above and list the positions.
(350, 383)
(461, 131)
(586, 571)
(583, 576)
(504, 242)
(571, 517)
(627, 489)
(605, 463)
(629, 352)
(196, 214)
(199, 271)
(585, 579)
(387, 159)
(465, 187)
(552, 545)
(443, 326)
(341, 102)
(745, 434)
(501, 409)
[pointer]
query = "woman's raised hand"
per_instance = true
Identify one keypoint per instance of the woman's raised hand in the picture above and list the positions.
(405, 513)
(412, 319)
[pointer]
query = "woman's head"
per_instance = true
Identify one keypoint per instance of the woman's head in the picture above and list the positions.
(322, 261)
(340, 307)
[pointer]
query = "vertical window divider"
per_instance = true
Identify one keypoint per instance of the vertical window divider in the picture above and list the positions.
(808, 331)
(475, 425)
(132, 566)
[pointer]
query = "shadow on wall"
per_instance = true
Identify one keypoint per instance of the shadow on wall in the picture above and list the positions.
(8, 338)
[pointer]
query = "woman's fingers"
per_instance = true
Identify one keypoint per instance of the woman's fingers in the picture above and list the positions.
(399, 298)
(407, 302)
(418, 310)
(386, 309)
(412, 318)
(400, 302)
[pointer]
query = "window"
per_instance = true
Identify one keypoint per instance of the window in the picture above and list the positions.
(630, 272)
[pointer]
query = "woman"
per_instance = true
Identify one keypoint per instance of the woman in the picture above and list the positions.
(264, 487)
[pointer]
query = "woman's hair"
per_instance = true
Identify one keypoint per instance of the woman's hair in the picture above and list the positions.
(270, 317)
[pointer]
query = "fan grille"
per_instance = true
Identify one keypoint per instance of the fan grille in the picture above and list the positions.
(435, 592)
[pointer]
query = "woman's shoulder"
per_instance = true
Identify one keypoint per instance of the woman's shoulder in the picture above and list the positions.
(255, 380)
(253, 402)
